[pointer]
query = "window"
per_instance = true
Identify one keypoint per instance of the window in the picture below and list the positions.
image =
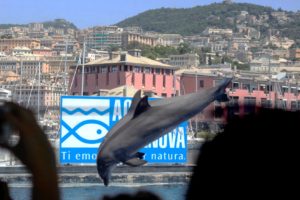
(86, 80)
(246, 86)
(119, 79)
(294, 106)
(147, 70)
(284, 89)
(103, 69)
(281, 104)
(164, 81)
(157, 71)
(235, 85)
(143, 81)
(154, 80)
(294, 90)
(266, 103)
(249, 104)
(262, 87)
(218, 112)
(97, 79)
(137, 69)
(201, 84)
(233, 106)
(107, 78)
(114, 69)
(298, 105)
(132, 79)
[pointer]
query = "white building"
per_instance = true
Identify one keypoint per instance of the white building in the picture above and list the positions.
(264, 64)
(185, 60)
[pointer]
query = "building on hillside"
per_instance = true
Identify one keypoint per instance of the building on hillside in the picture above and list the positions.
(133, 29)
(172, 40)
(217, 31)
(138, 38)
(126, 68)
(103, 37)
(8, 44)
(264, 64)
(24, 66)
(21, 51)
(185, 60)
(5, 95)
(43, 98)
(43, 51)
(197, 41)
(295, 53)
(279, 42)
(29, 68)
(36, 26)
(60, 64)
(9, 64)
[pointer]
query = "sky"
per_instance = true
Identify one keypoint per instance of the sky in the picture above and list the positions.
(88, 13)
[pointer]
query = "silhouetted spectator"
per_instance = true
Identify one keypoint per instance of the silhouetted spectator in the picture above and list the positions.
(255, 157)
(33, 149)
(4, 191)
(141, 195)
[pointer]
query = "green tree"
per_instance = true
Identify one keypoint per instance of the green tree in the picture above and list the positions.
(209, 60)
(184, 48)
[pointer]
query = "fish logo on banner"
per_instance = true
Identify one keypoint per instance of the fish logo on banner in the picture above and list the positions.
(85, 123)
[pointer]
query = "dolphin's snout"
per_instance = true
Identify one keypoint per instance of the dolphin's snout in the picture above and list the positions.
(104, 170)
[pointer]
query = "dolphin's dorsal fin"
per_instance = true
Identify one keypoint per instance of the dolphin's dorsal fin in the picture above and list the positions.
(136, 99)
(141, 107)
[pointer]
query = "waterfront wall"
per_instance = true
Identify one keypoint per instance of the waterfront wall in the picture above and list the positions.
(148, 174)
(122, 174)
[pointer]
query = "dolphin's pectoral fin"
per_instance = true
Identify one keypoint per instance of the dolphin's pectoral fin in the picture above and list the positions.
(139, 155)
(141, 107)
(134, 162)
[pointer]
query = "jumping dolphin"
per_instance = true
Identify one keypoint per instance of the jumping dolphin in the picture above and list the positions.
(147, 121)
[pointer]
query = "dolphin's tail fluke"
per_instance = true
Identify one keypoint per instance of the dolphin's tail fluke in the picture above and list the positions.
(223, 85)
(222, 96)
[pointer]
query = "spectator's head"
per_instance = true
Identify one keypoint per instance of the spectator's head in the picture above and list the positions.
(254, 155)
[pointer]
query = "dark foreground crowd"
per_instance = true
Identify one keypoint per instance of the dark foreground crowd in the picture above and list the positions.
(256, 156)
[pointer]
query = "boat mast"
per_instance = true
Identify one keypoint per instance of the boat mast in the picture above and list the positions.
(21, 80)
(39, 84)
(82, 73)
(65, 70)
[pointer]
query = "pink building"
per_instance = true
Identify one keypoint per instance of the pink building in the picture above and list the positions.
(192, 81)
(246, 94)
(129, 69)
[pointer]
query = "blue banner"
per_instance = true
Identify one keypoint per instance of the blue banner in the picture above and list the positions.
(85, 120)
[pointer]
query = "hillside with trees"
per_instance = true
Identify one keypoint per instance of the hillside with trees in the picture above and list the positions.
(57, 23)
(191, 21)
